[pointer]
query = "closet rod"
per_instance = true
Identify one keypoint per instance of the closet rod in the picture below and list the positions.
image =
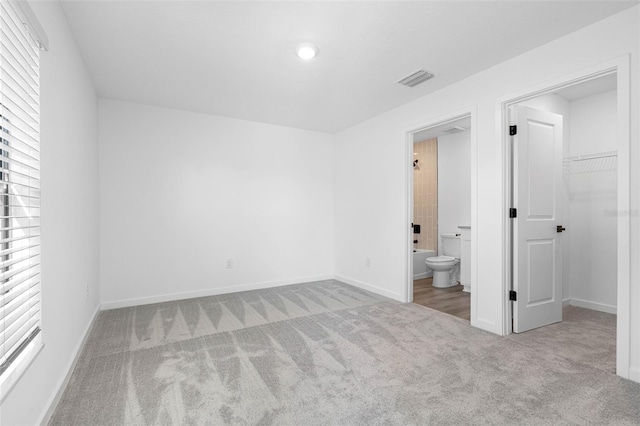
(592, 156)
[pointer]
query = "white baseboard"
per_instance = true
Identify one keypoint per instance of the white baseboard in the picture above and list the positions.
(55, 398)
(125, 303)
(594, 306)
(371, 288)
(487, 325)
(634, 374)
(422, 275)
(566, 302)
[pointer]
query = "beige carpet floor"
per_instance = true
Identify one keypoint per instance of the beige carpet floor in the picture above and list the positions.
(326, 353)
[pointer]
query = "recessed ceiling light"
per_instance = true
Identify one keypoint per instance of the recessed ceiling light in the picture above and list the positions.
(306, 51)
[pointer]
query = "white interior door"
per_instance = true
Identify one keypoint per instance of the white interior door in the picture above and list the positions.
(537, 196)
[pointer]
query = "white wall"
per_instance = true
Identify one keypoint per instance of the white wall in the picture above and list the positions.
(454, 183)
(593, 124)
(376, 196)
(592, 188)
(69, 161)
(182, 192)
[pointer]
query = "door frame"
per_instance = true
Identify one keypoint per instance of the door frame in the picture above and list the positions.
(471, 112)
(620, 67)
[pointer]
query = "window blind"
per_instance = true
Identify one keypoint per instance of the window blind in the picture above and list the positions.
(19, 184)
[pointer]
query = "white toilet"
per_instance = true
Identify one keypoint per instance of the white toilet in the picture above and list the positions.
(445, 267)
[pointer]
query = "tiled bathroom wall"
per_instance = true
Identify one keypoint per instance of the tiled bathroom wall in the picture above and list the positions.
(425, 194)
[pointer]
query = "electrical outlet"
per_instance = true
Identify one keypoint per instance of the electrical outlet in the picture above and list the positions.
(229, 263)
(367, 261)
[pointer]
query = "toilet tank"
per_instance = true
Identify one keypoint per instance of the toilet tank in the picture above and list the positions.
(451, 245)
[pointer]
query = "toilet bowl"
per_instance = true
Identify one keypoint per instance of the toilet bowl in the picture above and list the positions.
(445, 267)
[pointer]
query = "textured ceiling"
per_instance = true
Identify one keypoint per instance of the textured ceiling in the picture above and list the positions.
(236, 58)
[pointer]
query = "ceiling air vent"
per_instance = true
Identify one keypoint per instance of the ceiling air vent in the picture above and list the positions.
(416, 78)
(455, 129)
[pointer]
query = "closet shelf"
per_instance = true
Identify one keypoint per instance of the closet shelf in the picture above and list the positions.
(595, 156)
(588, 163)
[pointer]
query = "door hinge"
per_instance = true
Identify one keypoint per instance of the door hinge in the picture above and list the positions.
(513, 213)
(513, 296)
(513, 130)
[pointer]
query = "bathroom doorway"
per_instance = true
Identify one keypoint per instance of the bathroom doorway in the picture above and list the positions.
(568, 206)
(441, 217)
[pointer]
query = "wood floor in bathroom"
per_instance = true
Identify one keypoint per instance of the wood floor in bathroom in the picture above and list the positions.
(450, 300)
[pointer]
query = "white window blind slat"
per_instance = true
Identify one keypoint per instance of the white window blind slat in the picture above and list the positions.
(25, 138)
(16, 200)
(20, 106)
(11, 141)
(15, 116)
(17, 260)
(26, 80)
(25, 91)
(13, 53)
(27, 323)
(14, 250)
(20, 68)
(30, 329)
(19, 190)
(18, 25)
(7, 288)
(18, 197)
(19, 184)
(25, 86)
(15, 212)
(16, 273)
(23, 104)
(24, 187)
(18, 164)
(9, 134)
(21, 238)
(14, 24)
(14, 162)
(17, 154)
(21, 211)
(27, 174)
(17, 321)
(25, 228)
(24, 220)
(18, 297)
(20, 303)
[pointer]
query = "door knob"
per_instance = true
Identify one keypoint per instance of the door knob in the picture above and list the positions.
(560, 228)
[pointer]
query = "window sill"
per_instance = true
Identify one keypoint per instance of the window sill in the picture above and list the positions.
(11, 376)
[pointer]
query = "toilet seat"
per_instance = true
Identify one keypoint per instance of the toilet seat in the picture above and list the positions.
(437, 259)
